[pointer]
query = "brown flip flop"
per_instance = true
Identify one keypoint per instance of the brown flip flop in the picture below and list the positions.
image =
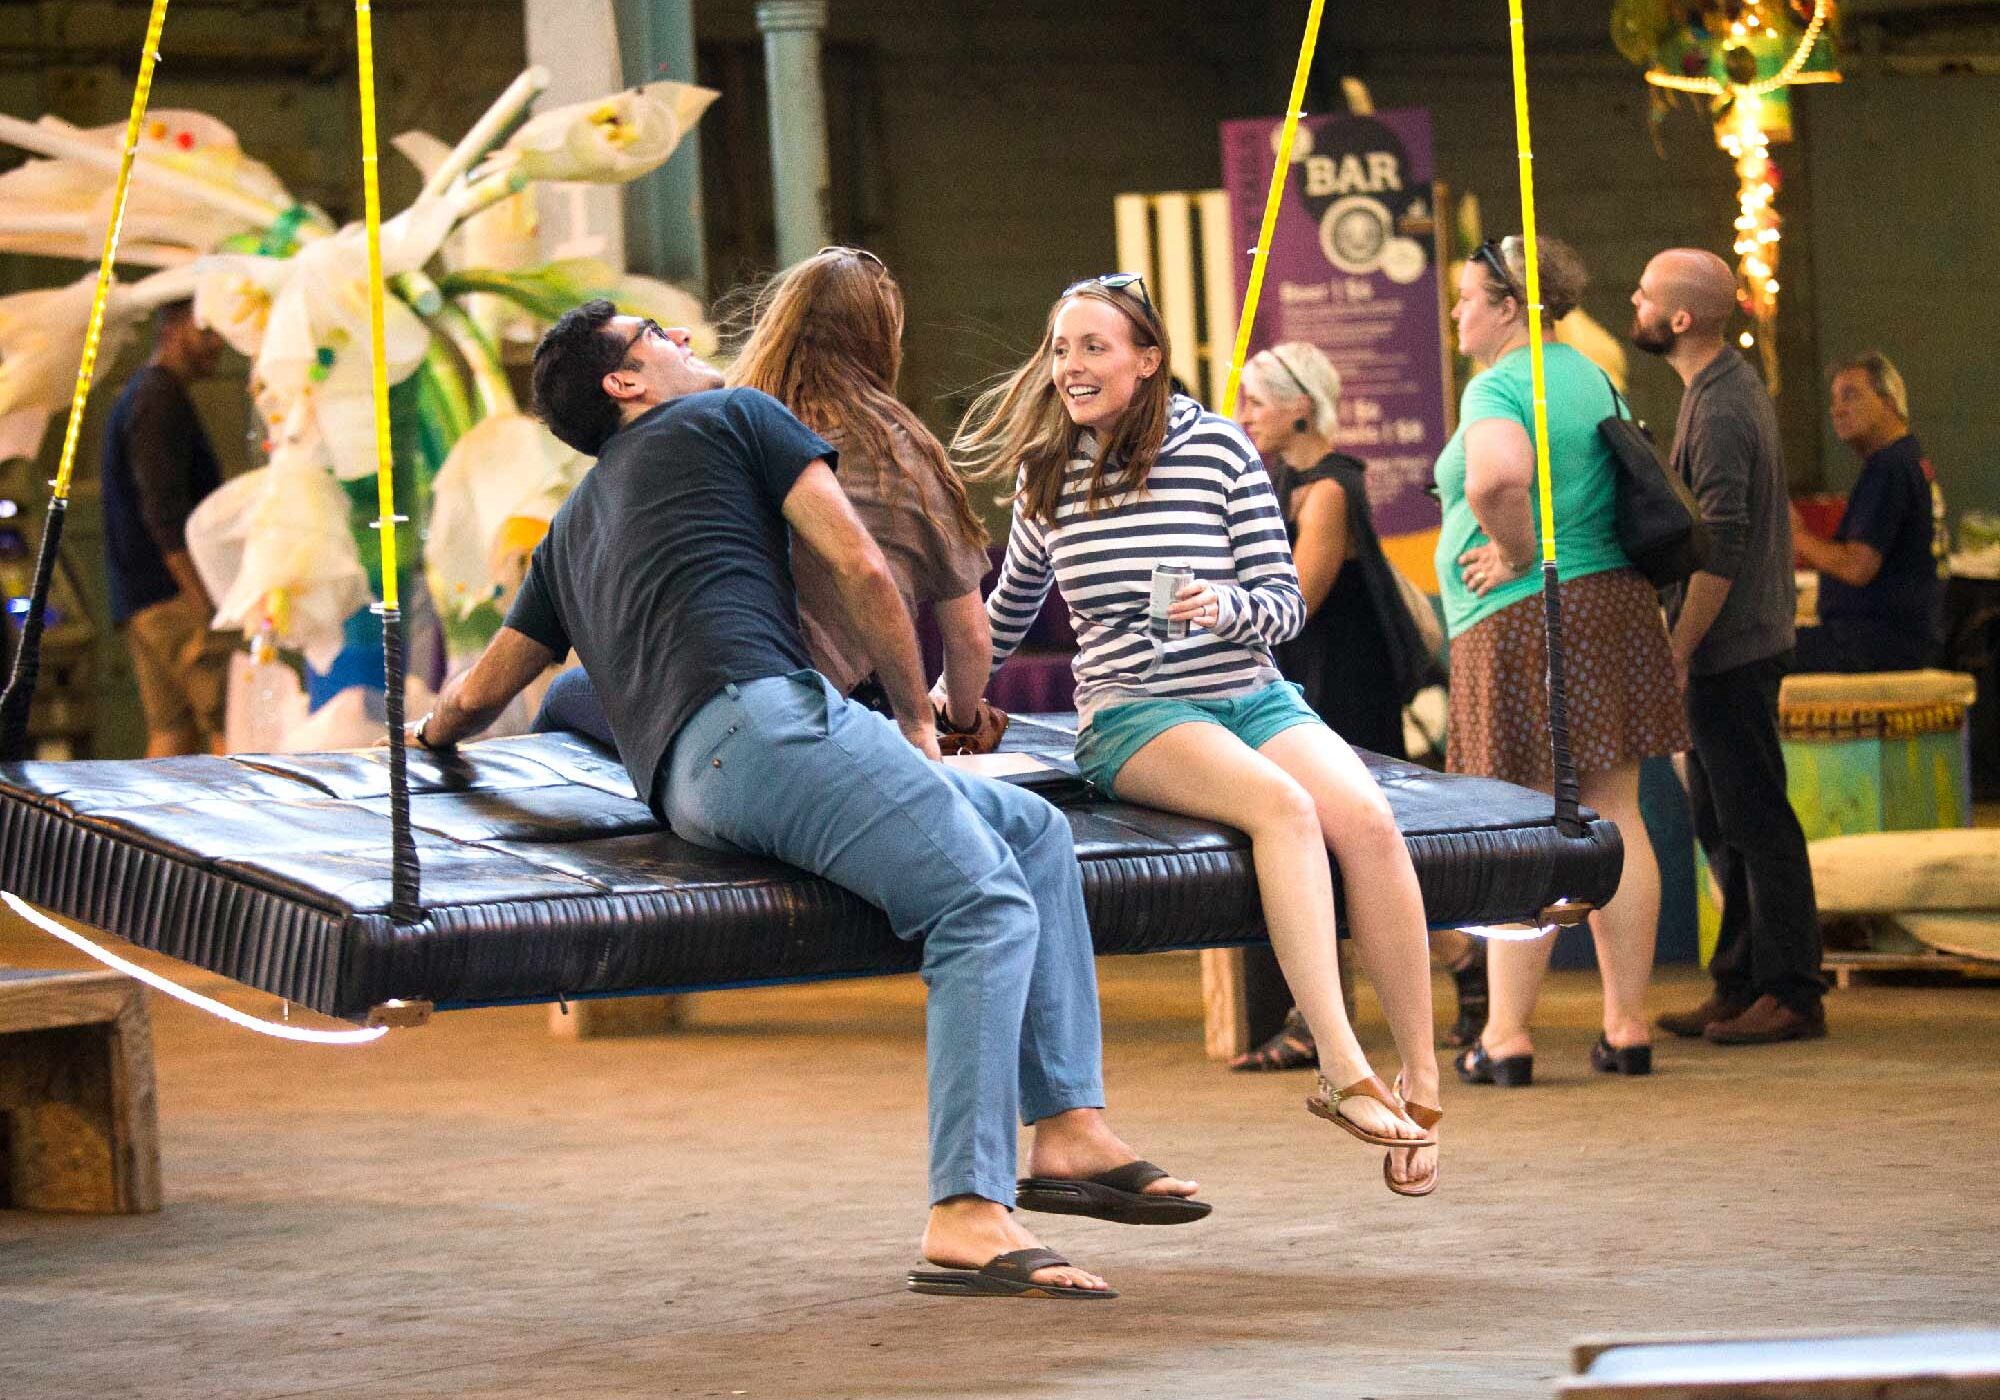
(1326, 1104)
(1425, 1117)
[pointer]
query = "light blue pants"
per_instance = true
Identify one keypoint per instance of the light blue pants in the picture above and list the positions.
(983, 872)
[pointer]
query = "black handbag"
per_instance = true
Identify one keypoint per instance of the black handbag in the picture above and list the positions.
(1659, 521)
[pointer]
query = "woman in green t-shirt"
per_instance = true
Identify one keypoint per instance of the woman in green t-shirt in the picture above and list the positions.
(1624, 703)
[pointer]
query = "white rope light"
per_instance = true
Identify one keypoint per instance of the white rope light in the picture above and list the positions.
(152, 979)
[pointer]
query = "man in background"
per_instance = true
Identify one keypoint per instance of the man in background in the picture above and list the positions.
(1881, 600)
(1732, 644)
(157, 466)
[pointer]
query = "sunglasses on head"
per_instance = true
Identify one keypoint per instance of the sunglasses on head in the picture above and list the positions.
(1114, 282)
(1490, 254)
(862, 253)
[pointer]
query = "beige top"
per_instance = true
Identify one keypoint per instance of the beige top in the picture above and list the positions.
(928, 558)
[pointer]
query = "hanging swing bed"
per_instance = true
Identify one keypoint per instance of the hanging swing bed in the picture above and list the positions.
(380, 884)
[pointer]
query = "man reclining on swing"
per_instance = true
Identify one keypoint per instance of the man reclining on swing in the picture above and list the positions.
(668, 571)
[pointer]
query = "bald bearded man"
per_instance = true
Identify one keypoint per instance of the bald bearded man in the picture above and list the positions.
(1732, 644)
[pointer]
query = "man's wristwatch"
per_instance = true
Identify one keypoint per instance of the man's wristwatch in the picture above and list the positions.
(418, 732)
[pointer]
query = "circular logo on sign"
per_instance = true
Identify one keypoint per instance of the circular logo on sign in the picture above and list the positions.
(1353, 232)
(1403, 260)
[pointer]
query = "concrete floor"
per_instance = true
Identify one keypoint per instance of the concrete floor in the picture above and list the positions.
(479, 1209)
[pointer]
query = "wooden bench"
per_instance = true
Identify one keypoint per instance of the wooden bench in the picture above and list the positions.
(79, 1129)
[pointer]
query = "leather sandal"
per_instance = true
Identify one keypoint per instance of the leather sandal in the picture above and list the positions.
(1326, 1104)
(1291, 1048)
(1607, 1058)
(1475, 1066)
(1425, 1117)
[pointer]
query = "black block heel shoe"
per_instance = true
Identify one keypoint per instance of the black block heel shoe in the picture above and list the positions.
(1475, 1066)
(1607, 1058)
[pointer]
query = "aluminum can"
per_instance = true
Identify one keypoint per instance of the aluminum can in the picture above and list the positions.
(1168, 579)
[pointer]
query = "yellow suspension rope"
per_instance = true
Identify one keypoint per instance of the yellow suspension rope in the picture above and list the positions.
(1567, 816)
(1516, 36)
(405, 905)
(149, 54)
(1262, 251)
(385, 478)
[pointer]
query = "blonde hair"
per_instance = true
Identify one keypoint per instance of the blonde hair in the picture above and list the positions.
(1020, 424)
(1299, 369)
(1883, 378)
(1563, 276)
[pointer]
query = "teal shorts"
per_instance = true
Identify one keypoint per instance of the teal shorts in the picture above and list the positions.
(1117, 732)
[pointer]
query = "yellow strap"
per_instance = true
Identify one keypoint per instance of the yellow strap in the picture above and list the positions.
(149, 54)
(1263, 249)
(1516, 33)
(385, 457)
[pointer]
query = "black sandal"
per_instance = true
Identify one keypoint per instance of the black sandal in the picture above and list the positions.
(1469, 980)
(1119, 1195)
(1291, 1048)
(1607, 1058)
(1006, 1275)
(1475, 1066)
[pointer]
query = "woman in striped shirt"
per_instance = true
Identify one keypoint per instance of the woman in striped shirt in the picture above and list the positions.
(1114, 473)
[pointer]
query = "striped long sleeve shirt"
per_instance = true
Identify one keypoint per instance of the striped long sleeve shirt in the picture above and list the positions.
(1206, 503)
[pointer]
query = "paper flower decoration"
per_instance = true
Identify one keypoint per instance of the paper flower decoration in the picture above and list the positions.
(491, 505)
(274, 550)
(41, 342)
(192, 189)
(607, 140)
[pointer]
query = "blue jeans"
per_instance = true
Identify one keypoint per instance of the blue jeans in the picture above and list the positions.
(983, 872)
(571, 703)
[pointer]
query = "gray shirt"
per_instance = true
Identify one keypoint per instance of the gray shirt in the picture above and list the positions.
(1726, 448)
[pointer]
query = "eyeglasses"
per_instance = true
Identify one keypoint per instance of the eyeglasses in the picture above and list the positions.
(650, 327)
(1489, 253)
(1114, 282)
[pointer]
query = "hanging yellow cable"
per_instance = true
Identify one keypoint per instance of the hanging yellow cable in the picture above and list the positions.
(385, 476)
(1516, 30)
(1262, 251)
(149, 54)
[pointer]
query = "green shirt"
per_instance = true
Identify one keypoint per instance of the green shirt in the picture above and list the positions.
(1580, 466)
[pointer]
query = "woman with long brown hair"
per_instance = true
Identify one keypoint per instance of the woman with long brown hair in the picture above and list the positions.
(1116, 477)
(826, 340)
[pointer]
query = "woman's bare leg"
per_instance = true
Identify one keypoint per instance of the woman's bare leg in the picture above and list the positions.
(1514, 971)
(1626, 929)
(1624, 932)
(1204, 771)
(1385, 910)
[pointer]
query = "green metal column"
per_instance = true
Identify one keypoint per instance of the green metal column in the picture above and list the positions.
(792, 30)
(663, 213)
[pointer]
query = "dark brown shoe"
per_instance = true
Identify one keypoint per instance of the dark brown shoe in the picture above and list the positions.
(1767, 1021)
(1689, 1025)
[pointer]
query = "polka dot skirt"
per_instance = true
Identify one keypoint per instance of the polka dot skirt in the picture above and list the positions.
(1623, 703)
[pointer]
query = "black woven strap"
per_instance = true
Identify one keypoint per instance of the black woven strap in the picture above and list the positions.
(1568, 821)
(20, 694)
(405, 880)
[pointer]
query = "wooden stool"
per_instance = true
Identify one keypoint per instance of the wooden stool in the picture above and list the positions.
(79, 1129)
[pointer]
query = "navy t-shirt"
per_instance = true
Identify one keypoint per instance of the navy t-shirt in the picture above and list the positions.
(1890, 510)
(669, 567)
(157, 466)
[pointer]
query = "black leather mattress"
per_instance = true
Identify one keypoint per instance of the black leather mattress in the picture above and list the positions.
(544, 876)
